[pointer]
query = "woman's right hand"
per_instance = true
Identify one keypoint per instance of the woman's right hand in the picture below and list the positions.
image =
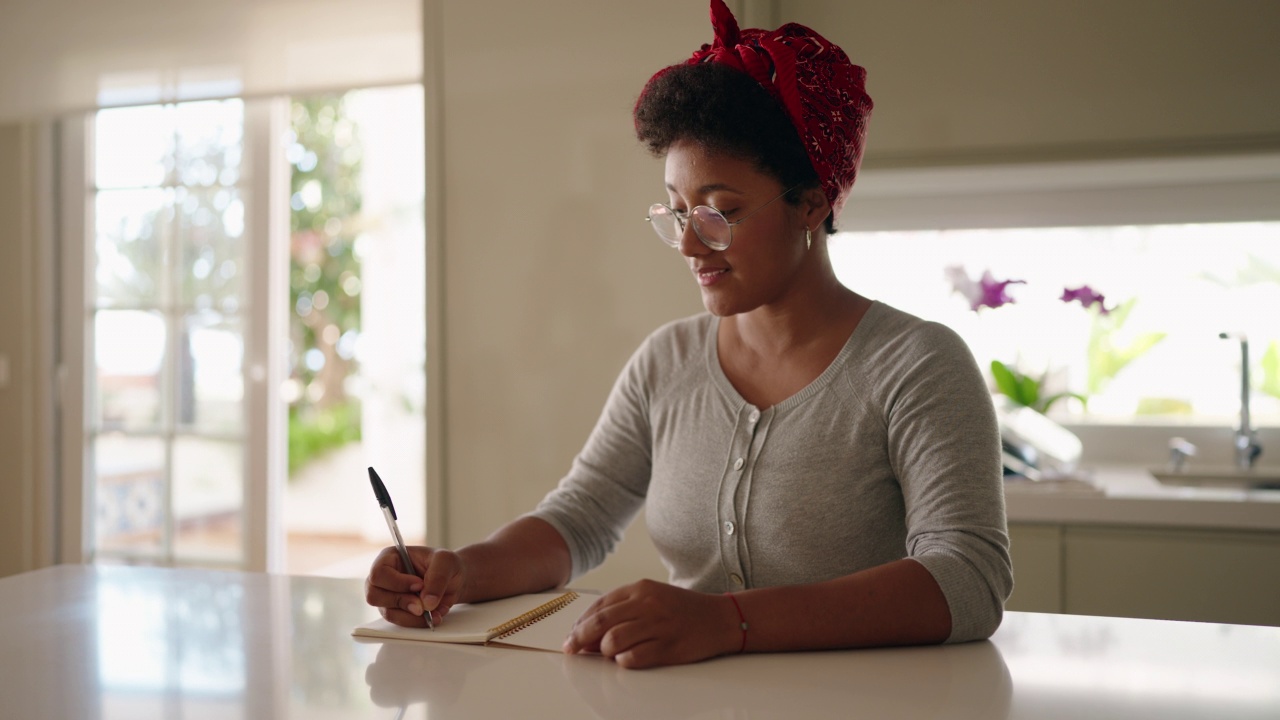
(403, 599)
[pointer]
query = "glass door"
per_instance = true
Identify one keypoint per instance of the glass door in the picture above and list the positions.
(252, 298)
(166, 315)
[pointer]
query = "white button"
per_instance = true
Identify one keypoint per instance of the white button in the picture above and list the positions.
(728, 527)
(737, 464)
(737, 579)
(754, 416)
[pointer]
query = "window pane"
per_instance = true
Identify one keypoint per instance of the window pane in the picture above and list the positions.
(1154, 357)
(210, 136)
(208, 497)
(129, 243)
(129, 494)
(133, 146)
(210, 383)
(129, 350)
(211, 262)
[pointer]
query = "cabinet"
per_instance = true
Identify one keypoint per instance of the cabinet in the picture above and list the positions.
(1037, 568)
(1162, 573)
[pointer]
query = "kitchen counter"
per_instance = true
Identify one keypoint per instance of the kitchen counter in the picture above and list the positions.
(115, 642)
(1131, 496)
(1130, 546)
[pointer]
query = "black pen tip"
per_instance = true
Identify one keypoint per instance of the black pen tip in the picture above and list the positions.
(380, 490)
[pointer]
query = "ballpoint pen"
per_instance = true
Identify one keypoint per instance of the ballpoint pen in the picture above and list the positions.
(389, 512)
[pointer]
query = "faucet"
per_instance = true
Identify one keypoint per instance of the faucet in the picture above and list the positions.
(1180, 450)
(1246, 440)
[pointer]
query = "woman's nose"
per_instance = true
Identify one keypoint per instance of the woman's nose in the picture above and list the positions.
(690, 244)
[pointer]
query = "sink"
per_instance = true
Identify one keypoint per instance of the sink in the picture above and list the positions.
(1226, 476)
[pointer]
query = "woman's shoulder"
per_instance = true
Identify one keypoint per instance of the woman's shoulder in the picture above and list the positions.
(676, 344)
(905, 361)
(895, 349)
(895, 332)
(679, 338)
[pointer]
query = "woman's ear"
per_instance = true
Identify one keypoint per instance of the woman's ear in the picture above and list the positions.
(815, 207)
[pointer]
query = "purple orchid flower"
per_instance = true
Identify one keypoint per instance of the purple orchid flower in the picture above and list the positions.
(986, 292)
(1088, 298)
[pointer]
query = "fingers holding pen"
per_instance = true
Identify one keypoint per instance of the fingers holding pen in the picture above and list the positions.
(404, 598)
(388, 572)
(442, 581)
(393, 591)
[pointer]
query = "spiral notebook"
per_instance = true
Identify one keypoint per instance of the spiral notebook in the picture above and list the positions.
(540, 621)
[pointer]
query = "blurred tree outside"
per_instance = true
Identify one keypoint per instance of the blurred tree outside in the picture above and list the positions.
(324, 276)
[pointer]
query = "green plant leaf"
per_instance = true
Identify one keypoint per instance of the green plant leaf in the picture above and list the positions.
(1006, 382)
(1029, 391)
(1105, 359)
(1021, 389)
(1163, 406)
(1139, 347)
(1271, 370)
(1052, 399)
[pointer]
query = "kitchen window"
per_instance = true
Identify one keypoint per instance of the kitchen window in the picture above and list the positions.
(1182, 249)
(1154, 358)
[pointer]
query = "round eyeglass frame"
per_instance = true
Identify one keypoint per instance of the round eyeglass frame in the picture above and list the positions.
(707, 221)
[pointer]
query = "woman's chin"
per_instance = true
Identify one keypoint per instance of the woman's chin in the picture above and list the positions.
(719, 305)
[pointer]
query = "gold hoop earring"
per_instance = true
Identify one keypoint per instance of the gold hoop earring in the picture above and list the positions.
(808, 239)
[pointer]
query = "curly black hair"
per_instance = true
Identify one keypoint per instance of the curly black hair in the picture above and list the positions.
(725, 110)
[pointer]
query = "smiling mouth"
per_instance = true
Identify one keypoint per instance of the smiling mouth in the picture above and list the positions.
(710, 276)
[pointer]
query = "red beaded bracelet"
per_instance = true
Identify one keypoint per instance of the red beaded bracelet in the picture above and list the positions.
(743, 622)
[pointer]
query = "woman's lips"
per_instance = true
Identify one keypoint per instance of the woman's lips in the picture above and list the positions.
(709, 276)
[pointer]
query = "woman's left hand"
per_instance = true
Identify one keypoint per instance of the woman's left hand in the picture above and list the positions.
(649, 623)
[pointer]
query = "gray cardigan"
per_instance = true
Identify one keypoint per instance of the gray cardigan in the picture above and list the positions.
(892, 452)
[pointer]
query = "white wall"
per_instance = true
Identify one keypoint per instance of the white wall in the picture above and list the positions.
(997, 80)
(58, 56)
(26, 508)
(552, 277)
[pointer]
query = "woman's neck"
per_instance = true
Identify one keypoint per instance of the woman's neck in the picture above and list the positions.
(820, 312)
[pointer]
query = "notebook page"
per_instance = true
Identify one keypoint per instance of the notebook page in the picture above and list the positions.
(465, 623)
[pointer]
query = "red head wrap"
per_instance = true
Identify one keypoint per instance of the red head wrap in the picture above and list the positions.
(823, 93)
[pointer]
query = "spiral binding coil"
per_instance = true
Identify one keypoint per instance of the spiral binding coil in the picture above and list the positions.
(515, 625)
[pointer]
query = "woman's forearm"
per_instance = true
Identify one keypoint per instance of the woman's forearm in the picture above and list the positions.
(898, 603)
(524, 556)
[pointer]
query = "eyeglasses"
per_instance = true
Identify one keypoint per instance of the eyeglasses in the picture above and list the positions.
(709, 224)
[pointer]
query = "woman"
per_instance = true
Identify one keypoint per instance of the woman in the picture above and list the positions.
(819, 470)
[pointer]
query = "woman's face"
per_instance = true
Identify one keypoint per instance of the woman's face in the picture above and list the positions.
(759, 267)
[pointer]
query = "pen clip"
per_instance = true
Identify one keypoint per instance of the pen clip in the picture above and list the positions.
(384, 498)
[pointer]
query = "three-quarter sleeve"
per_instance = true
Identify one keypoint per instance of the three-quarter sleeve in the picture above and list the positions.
(944, 446)
(608, 480)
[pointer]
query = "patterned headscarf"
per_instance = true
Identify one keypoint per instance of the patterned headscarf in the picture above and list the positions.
(823, 93)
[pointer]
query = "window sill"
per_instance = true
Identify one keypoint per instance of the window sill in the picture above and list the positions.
(1148, 445)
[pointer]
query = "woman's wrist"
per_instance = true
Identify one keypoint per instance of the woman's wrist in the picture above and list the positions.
(736, 637)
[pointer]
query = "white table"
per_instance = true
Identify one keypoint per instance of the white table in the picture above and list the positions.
(116, 642)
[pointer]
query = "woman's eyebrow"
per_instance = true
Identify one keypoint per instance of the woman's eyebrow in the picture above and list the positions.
(713, 187)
